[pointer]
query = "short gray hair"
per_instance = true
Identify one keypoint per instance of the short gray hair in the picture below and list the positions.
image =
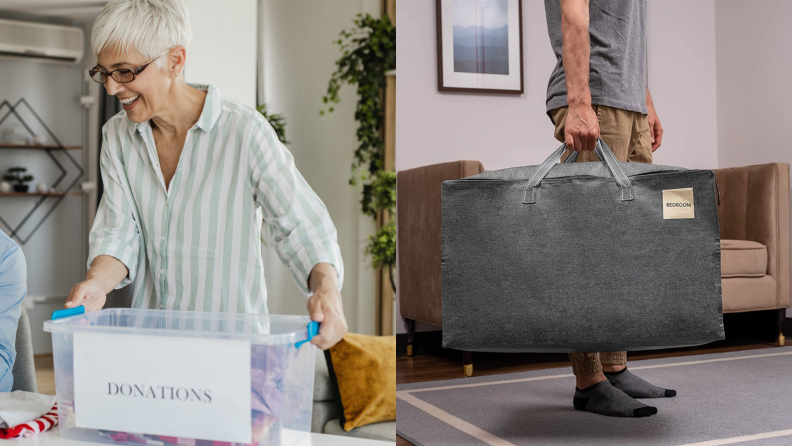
(151, 27)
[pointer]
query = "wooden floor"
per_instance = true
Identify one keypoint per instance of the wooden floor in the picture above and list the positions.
(45, 374)
(447, 364)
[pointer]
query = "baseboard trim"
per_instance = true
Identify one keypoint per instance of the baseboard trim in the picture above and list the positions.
(431, 341)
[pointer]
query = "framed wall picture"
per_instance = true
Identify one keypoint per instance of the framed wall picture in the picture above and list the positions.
(479, 46)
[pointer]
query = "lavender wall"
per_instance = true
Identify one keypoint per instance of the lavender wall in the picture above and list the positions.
(754, 88)
(505, 131)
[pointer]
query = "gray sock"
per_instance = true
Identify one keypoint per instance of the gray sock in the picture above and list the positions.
(635, 386)
(605, 399)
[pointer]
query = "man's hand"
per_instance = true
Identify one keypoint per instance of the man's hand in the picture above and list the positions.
(581, 128)
(89, 294)
(655, 129)
(325, 306)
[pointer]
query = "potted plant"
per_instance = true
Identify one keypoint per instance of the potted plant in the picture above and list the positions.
(17, 175)
(276, 120)
(368, 52)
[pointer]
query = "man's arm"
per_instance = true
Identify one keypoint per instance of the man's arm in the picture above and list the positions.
(655, 129)
(581, 127)
(13, 288)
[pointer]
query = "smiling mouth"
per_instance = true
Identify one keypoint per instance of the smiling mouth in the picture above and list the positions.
(130, 100)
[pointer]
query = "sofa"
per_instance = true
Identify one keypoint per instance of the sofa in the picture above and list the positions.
(326, 417)
(24, 370)
(754, 217)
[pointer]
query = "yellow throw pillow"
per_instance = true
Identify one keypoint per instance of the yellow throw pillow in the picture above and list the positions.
(363, 377)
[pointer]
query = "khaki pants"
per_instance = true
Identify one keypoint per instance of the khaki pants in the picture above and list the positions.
(627, 134)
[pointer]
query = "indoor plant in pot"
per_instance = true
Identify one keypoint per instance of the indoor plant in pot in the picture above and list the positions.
(368, 53)
(20, 179)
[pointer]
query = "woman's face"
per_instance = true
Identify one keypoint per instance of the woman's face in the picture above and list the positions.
(147, 94)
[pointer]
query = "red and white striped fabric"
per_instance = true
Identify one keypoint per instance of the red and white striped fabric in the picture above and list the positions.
(32, 428)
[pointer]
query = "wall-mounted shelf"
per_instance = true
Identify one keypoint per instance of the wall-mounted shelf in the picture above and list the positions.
(49, 150)
(38, 194)
(37, 147)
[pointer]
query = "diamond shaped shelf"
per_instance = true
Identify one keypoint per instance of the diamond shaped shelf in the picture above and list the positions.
(38, 147)
(48, 149)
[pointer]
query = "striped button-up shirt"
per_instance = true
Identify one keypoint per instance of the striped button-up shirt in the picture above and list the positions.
(196, 245)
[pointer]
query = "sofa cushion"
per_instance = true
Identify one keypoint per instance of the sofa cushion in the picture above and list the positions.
(323, 411)
(385, 431)
(743, 258)
(749, 294)
(363, 375)
(323, 391)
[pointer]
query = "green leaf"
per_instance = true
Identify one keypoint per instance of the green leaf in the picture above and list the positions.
(277, 121)
(367, 51)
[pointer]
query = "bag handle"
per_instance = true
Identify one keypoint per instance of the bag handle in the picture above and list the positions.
(603, 152)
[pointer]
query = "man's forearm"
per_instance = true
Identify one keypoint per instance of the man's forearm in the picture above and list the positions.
(576, 51)
(108, 270)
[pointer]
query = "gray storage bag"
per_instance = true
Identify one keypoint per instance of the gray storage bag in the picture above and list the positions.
(581, 257)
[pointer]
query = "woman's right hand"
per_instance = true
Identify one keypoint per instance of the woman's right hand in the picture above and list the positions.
(89, 294)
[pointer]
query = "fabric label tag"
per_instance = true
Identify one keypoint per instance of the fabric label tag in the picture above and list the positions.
(678, 203)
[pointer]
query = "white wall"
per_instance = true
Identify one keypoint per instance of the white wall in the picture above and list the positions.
(298, 60)
(223, 47)
(505, 131)
(754, 88)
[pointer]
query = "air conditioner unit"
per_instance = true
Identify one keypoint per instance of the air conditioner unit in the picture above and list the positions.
(41, 41)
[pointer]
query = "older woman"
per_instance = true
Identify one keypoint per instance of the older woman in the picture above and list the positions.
(188, 175)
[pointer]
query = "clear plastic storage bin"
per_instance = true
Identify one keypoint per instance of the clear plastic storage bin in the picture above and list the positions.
(282, 374)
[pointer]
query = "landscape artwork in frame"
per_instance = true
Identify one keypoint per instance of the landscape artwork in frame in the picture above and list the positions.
(479, 46)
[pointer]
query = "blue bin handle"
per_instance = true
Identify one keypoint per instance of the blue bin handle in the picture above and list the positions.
(60, 314)
(313, 330)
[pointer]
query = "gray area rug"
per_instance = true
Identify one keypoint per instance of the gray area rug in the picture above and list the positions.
(742, 397)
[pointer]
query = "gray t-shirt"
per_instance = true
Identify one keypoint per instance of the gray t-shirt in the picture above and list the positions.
(617, 65)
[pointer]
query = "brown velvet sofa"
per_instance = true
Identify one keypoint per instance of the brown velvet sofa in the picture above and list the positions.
(754, 217)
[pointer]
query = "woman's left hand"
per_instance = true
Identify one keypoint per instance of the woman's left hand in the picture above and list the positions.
(325, 306)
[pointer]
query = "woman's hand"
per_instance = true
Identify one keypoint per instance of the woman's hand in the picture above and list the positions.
(106, 272)
(325, 306)
(89, 294)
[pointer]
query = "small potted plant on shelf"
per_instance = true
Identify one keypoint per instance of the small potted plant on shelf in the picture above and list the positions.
(17, 175)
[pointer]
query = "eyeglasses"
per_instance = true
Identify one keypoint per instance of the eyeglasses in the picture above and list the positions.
(121, 76)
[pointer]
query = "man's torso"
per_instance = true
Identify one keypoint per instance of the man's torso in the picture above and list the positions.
(617, 64)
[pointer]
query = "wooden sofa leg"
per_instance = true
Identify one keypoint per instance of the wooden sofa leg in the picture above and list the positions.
(409, 325)
(467, 361)
(781, 318)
